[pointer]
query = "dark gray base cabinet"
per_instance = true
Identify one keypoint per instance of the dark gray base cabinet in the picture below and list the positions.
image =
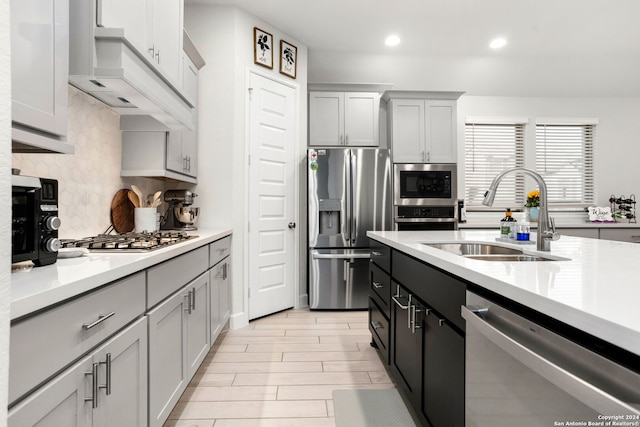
(426, 341)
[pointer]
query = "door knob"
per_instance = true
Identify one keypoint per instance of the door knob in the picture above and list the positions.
(292, 225)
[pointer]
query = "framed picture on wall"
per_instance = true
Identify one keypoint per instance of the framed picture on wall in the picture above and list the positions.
(288, 59)
(262, 48)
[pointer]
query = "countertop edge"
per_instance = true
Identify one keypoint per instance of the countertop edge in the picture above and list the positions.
(126, 264)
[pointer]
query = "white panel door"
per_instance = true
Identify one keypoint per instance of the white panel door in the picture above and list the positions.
(272, 190)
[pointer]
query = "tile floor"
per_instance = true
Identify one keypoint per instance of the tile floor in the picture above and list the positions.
(280, 371)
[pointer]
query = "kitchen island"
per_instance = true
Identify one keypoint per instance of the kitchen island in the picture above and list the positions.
(424, 301)
(596, 290)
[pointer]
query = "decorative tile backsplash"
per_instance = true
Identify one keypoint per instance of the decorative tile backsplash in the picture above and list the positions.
(89, 178)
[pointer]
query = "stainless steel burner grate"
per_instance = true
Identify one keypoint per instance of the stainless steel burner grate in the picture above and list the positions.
(129, 242)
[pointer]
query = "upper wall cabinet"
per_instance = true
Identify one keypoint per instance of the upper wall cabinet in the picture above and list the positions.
(128, 54)
(423, 126)
(344, 119)
(151, 149)
(39, 74)
(153, 27)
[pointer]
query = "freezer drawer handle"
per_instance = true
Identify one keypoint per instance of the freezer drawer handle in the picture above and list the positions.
(575, 386)
(339, 256)
(101, 318)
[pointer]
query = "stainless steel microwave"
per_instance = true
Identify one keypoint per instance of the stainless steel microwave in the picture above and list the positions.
(425, 184)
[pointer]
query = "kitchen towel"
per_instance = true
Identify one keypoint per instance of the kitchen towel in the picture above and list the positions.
(371, 408)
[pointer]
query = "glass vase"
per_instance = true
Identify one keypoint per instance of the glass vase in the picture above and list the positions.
(533, 213)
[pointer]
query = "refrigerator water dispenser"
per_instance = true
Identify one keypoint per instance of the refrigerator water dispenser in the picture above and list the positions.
(329, 216)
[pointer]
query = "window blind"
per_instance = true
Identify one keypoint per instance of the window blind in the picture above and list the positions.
(564, 158)
(490, 149)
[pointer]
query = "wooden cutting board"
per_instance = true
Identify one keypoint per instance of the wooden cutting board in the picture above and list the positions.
(122, 212)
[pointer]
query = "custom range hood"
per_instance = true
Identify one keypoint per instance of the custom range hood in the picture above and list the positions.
(104, 64)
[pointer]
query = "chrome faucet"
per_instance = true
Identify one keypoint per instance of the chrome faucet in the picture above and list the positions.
(546, 225)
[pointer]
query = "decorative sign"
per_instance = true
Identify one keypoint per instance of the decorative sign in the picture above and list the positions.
(600, 214)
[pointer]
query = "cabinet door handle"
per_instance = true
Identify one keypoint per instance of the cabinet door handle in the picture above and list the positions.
(188, 298)
(346, 140)
(441, 322)
(398, 303)
(376, 253)
(94, 386)
(376, 325)
(193, 298)
(377, 285)
(107, 381)
(224, 271)
(414, 324)
(101, 318)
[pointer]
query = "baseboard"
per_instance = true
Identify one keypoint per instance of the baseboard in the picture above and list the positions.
(238, 320)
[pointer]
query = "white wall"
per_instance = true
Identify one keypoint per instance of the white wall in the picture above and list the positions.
(224, 38)
(5, 221)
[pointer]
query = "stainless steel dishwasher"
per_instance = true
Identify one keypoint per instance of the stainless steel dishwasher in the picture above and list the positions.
(520, 373)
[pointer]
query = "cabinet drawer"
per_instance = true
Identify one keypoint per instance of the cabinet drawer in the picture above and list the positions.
(219, 250)
(381, 255)
(442, 292)
(168, 277)
(380, 287)
(621, 234)
(47, 342)
(379, 327)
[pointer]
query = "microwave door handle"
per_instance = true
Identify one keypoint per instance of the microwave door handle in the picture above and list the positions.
(575, 386)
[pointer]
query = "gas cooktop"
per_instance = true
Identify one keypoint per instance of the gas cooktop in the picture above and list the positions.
(128, 242)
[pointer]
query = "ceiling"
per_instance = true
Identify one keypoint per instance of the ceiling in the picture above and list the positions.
(456, 27)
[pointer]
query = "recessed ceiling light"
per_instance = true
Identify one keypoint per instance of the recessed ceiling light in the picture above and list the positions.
(392, 40)
(497, 43)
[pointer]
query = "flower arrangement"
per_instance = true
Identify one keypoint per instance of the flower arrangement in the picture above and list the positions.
(533, 199)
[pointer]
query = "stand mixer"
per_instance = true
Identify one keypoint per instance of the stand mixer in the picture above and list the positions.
(180, 215)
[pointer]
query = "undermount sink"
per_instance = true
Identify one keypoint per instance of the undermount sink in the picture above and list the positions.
(489, 252)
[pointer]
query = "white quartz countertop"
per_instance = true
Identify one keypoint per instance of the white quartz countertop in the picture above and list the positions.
(35, 288)
(597, 290)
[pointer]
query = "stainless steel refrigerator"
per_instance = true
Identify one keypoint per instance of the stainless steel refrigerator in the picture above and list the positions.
(349, 194)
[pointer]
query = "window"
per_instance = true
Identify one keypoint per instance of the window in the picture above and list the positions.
(564, 158)
(491, 148)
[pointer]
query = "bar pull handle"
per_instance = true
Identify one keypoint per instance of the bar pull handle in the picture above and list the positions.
(377, 285)
(94, 386)
(376, 253)
(376, 325)
(188, 305)
(101, 318)
(107, 381)
(398, 303)
(193, 298)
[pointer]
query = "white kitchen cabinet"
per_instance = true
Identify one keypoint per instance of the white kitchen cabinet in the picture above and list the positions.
(39, 75)
(117, 372)
(156, 154)
(150, 149)
(220, 262)
(344, 119)
(178, 340)
(422, 126)
(153, 27)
